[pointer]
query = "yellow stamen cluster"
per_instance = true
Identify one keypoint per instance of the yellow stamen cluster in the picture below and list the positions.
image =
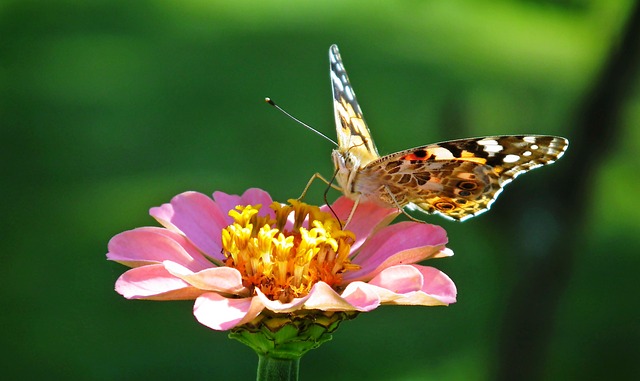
(285, 262)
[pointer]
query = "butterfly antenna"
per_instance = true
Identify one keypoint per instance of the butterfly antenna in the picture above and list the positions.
(272, 103)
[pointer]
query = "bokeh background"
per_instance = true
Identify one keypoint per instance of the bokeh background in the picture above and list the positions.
(108, 108)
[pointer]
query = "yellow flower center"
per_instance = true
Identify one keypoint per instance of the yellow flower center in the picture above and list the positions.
(284, 263)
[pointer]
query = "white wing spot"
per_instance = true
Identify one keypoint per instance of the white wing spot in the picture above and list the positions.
(490, 146)
(526, 153)
(336, 81)
(529, 139)
(534, 146)
(349, 93)
(511, 158)
(493, 148)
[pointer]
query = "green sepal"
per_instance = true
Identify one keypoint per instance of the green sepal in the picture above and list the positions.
(289, 336)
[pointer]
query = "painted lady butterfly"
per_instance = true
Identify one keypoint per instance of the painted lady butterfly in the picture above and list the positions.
(456, 179)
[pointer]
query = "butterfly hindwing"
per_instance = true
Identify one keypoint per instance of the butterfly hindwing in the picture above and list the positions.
(457, 179)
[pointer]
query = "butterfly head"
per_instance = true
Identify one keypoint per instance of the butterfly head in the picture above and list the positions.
(346, 165)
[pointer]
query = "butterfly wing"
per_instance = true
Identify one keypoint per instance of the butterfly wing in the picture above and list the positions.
(353, 134)
(457, 179)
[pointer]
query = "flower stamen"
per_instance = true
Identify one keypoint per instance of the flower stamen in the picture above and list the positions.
(284, 258)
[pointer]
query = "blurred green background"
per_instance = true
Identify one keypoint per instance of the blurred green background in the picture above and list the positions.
(108, 108)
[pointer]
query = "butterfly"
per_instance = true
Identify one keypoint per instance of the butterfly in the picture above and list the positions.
(457, 179)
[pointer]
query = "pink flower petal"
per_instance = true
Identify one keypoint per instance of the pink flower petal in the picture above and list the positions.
(255, 196)
(367, 218)
(438, 283)
(218, 279)
(323, 297)
(143, 246)
(154, 282)
(278, 306)
(446, 252)
(186, 245)
(197, 217)
(220, 313)
(401, 243)
(414, 285)
(252, 196)
(399, 279)
(361, 296)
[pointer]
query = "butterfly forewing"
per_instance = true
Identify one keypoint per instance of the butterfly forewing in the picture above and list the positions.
(353, 134)
(457, 179)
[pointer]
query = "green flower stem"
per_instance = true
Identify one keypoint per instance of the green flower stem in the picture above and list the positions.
(277, 369)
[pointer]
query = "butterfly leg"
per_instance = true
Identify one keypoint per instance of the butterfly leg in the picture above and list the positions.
(353, 210)
(400, 208)
(319, 177)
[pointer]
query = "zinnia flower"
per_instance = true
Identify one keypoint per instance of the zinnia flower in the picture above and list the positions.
(245, 257)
